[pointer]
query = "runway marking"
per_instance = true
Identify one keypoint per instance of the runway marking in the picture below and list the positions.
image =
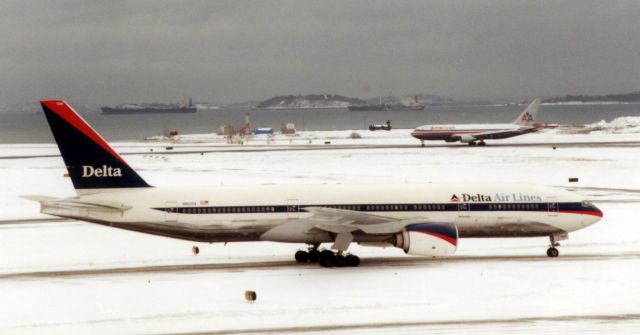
(455, 324)
(587, 188)
(235, 149)
(270, 265)
(390, 325)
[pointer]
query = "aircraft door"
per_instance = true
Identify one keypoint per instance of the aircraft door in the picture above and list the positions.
(171, 214)
(552, 206)
(293, 209)
(464, 210)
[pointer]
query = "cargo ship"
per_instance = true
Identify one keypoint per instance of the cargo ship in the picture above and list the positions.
(387, 107)
(150, 109)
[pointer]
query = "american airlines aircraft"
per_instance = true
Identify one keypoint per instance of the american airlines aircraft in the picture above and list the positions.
(475, 134)
(422, 219)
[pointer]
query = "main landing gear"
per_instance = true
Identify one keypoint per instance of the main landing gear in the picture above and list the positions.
(326, 258)
(480, 144)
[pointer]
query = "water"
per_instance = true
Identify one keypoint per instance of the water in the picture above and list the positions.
(33, 128)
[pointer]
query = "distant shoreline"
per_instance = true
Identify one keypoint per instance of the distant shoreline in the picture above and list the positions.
(295, 108)
(572, 103)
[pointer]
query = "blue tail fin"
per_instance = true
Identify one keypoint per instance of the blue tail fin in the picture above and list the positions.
(91, 162)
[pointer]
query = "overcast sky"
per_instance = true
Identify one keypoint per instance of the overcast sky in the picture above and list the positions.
(109, 52)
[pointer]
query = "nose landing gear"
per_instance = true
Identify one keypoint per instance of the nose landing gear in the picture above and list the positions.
(554, 238)
(553, 252)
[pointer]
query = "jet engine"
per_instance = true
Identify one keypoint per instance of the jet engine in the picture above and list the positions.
(466, 138)
(428, 239)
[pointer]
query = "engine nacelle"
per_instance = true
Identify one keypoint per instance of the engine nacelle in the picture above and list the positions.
(428, 239)
(466, 138)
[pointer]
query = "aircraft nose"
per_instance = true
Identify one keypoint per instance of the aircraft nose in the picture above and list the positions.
(595, 214)
(598, 212)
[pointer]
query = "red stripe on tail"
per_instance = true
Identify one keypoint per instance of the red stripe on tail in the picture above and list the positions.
(62, 109)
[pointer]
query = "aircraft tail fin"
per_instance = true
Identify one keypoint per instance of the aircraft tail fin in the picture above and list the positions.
(90, 161)
(528, 116)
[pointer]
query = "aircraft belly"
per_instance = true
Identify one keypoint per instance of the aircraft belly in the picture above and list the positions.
(206, 229)
(432, 137)
(506, 229)
(500, 136)
(208, 233)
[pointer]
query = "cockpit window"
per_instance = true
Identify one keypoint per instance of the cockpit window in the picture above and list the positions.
(586, 203)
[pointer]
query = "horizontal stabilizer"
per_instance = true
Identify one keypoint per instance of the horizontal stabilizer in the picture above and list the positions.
(38, 198)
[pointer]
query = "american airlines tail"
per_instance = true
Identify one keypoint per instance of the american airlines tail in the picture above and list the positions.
(528, 117)
(91, 162)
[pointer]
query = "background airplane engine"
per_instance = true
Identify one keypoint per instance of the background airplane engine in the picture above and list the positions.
(467, 138)
(428, 239)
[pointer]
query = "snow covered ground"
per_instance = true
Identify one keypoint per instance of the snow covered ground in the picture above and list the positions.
(490, 286)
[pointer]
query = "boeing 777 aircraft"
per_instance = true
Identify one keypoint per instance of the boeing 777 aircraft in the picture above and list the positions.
(422, 219)
(475, 134)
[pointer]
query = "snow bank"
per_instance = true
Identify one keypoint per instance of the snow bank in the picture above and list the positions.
(624, 124)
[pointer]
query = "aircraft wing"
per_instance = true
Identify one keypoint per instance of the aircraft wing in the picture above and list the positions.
(340, 225)
(324, 213)
(342, 220)
(503, 134)
(338, 222)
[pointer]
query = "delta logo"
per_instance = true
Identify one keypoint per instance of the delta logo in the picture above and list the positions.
(526, 117)
(100, 172)
(472, 198)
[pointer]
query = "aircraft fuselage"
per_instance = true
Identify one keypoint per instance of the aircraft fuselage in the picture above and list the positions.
(244, 213)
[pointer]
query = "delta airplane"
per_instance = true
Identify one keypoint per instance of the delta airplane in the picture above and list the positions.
(422, 219)
(475, 134)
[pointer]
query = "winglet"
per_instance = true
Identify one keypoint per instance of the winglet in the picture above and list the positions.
(528, 116)
(91, 162)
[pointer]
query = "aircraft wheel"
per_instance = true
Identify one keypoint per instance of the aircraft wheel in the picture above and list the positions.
(340, 260)
(302, 256)
(472, 144)
(314, 255)
(327, 259)
(482, 144)
(353, 260)
(553, 252)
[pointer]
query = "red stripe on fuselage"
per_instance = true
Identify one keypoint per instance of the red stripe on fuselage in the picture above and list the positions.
(594, 213)
(446, 132)
(63, 110)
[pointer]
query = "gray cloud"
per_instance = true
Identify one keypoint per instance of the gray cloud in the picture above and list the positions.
(109, 52)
